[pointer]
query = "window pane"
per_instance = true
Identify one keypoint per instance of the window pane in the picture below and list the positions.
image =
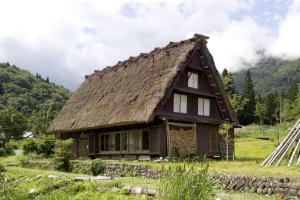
(138, 140)
(190, 79)
(105, 142)
(145, 140)
(200, 106)
(206, 107)
(124, 141)
(111, 142)
(102, 143)
(195, 80)
(176, 103)
(183, 103)
(117, 142)
(130, 136)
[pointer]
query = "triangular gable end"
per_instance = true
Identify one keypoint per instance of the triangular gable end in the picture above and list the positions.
(210, 85)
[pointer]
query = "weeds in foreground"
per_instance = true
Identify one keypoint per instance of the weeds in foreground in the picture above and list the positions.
(191, 184)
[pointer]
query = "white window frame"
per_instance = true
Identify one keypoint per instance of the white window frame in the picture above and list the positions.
(193, 80)
(203, 107)
(180, 103)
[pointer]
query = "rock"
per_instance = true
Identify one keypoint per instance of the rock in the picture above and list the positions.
(55, 178)
(286, 180)
(33, 192)
(259, 191)
(115, 189)
(137, 190)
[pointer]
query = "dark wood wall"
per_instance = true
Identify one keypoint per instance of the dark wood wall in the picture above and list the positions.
(204, 90)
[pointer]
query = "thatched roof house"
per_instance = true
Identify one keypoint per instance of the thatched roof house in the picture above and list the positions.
(141, 105)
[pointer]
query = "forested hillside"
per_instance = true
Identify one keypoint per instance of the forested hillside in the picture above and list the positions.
(27, 102)
(270, 74)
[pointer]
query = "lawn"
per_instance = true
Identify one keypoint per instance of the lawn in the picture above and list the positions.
(252, 145)
(61, 189)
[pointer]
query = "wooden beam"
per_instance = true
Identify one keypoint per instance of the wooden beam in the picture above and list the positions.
(184, 125)
(194, 91)
(270, 159)
(168, 138)
(294, 153)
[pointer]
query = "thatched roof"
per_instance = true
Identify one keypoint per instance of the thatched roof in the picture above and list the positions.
(127, 93)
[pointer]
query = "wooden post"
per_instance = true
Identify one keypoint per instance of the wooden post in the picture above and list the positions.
(168, 138)
(290, 143)
(294, 153)
(277, 152)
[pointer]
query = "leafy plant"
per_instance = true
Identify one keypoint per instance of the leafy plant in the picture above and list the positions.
(62, 155)
(2, 151)
(224, 132)
(97, 167)
(192, 185)
(2, 168)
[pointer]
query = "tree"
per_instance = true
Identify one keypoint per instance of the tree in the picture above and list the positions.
(260, 110)
(224, 132)
(248, 116)
(12, 123)
(228, 82)
(292, 92)
(238, 103)
(270, 106)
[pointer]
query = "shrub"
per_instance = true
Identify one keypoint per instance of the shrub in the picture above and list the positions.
(97, 167)
(2, 168)
(14, 144)
(9, 150)
(46, 145)
(43, 146)
(62, 155)
(2, 151)
(188, 185)
(30, 146)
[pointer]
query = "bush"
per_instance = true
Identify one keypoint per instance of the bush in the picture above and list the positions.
(188, 185)
(14, 144)
(2, 168)
(97, 167)
(43, 146)
(9, 150)
(2, 151)
(46, 145)
(30, 146)
(24, 160)
(62, 155)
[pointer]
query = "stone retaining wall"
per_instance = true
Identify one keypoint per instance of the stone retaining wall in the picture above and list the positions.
(281, 187)
(115, 170)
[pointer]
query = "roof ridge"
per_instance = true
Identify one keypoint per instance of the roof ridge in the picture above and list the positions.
(195, 38)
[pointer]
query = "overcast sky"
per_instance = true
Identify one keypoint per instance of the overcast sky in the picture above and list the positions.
(67, 39)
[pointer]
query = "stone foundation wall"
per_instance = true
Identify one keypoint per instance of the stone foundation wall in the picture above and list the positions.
(280, 187)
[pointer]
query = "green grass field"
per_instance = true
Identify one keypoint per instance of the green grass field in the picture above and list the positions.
(252, 145)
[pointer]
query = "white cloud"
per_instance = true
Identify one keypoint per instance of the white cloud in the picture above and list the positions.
(288, 40)
(68, 39)
(237, 43)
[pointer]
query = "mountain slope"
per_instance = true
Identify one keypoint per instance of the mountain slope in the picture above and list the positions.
(33, 96)
(270, 74)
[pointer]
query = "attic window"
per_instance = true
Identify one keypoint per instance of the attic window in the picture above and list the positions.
(180, 103)
(203, 107)
(192, 80)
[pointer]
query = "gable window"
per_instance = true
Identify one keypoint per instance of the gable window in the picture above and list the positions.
(192, 80)
(180, 103)
(203, 106)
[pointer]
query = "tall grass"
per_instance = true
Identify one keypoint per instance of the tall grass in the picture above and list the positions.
(191, 185)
